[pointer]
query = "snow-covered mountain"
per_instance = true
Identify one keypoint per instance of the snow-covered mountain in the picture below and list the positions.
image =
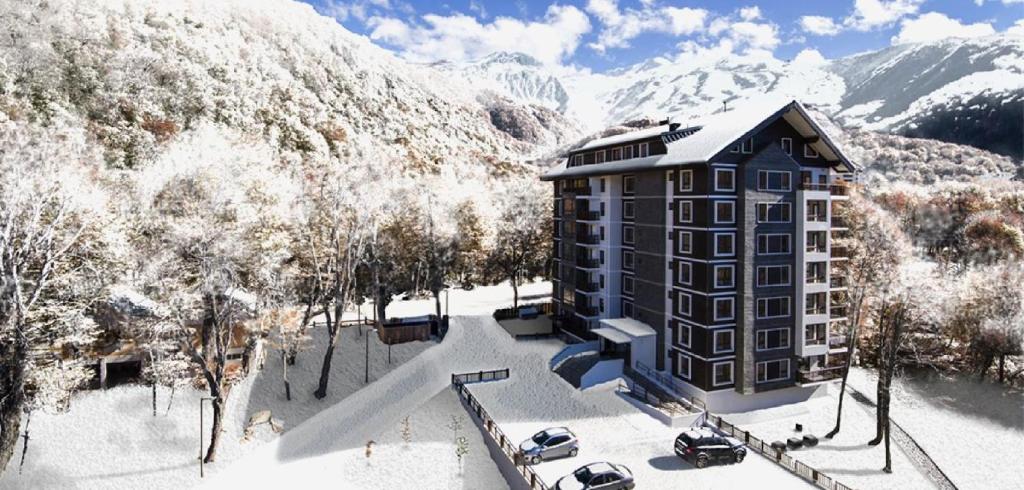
(956, 90)
(136, 74)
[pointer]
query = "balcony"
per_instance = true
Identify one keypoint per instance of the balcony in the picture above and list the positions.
(838, 282)
(807, 376)
(586, 311)
(839, 222)
(837, 312)
(587, 263)
(586, 215)
(579, 190)
(587, 239)
(839, 252)
(587, 287)
(838, 189)
(838, 342)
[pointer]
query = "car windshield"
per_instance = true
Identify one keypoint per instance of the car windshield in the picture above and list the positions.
(540, 437)
(686, 440)
(582, 475)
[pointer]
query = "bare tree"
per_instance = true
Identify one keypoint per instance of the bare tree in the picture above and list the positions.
(55, 248)
(522, 233)
(877, 248)
(894, 320)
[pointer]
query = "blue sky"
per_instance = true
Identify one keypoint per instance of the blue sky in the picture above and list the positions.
(602, 34)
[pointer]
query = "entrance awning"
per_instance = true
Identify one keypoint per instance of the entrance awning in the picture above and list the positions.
(627, 326)
(612, 335)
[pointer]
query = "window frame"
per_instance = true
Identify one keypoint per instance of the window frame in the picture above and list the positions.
(689, 334)
(577, 160)
(684, 204)
(689, 272)
(757, 372)
(757, 339)
(783, 142)
(767, 316)
(732, 276)
(631, 290)
(632, 229)
(714, 340)
(732, 212)
(627, 152)
(689, 180)
(732, 248)
(679, 304)
(714, 373)
(632, 260)
(757, 275)
(810, 152)
(631, 206)
(767, 213)
(745, 148)
(629, 184)
(824, 336)
(729, 171)
(616, 154)
(767, 180)
(767, 237)
(599, 156)
(714, 308)
(643, 150)
(689, 366)
(681, 241)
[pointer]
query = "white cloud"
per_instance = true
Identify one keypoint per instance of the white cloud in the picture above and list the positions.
(478, 8)
(933, 26)
(1017, 29)
(750, 13)
(460, 37)
(754, 35)
(621, 26)
(872, 14)
(809, 58)
(819, 26)
(358, 9)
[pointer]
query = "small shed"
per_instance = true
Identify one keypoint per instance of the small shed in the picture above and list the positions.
(408, 329)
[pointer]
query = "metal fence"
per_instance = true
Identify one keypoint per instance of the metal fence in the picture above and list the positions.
(510, 312)
(491, 427)
(779, 456)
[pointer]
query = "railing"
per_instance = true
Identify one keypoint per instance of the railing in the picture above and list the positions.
(573, 350)
(838, 281)
(510, 312)
(493, 431)
(676, 393)
(840, 252)
(837, 312)
(817, 375)
(346, 323)
(839, 189)
(574, 326)
(840, 222)
(587, 263)
(835, 188)
(586, 311)
(779, 457)
(587, 239)
(579, 190)
(586, 215)
(587, 287)
(480, 376)
(837, 342)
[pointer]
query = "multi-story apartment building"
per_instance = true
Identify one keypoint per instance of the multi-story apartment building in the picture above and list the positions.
(713, 237)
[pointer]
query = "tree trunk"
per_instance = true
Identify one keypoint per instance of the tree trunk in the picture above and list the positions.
(987, 363)
(515, 291)
(170, 399)
(24, 446)
(325, 368)
(284, 374)
(437, 301)
(1002, 367)
(12, 398)
(888, 451)
(154, 398)
(878, 411)
(842, 391)
(218, 421)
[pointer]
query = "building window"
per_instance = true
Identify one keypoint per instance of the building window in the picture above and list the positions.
(735, 148)
(776, 307)
(683, 301)
(724, 276)
(815, 304)
(627, 284)
(599, 156)
(816, 241)
(682, 365)
(809, 151)
(577, 160)
(725, 179)
(776, 370)
(748, 145)
(722, 341)
(787, 145)
(627, 235)
(683, 334)
(627, 309)
(685, 180)
(685, 272)
(774, 180)
(816, 272)
(601, 231)
(725, 211)
(774, 212)
(725, 308)
(776, 338)
(616, 154)
(600, 304)
(600, 280)
(627, 152)
(627, 209)
(724, 244)
(627, 260)
(601, 254)
(686, 211)
(643, 149)
(602, 203)
(628, 184)
(684, 246)
(602, 187)
(817, 211)
(814, 334)
(773, 275)
(722, 373)
(774, 244)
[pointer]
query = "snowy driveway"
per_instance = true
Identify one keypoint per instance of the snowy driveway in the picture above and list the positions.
(532, 398)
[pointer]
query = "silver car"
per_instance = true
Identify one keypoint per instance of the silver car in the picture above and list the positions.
(557, 442)
(598, 476)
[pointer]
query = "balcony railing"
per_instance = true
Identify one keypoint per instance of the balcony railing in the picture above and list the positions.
(820, 374)
(586, 215)
(579, 190)
(587, 287)
(587, 239)
(838, 342)
(587, 263)
(837, 312)
(835, 188)
(838, 282)
(840, 222)
(839, 189)
(840, 252)
(587, 311)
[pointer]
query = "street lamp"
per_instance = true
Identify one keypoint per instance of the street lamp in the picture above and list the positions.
(201, 400)
(367, 379)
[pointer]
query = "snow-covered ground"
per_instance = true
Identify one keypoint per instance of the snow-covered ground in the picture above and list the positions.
(610, 429)
(481, 300)
(110, 438)
(973, 431)
(846, 457)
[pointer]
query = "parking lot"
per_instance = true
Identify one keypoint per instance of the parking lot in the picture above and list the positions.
(610, 429)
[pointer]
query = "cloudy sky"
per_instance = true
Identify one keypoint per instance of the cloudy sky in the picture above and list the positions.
(599, 35)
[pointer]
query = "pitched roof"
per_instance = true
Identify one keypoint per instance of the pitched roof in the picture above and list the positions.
(708, 136)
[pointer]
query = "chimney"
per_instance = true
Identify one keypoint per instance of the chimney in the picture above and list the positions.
(664, 122)
(674, 126)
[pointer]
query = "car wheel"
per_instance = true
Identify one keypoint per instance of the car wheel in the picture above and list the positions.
(740, 455)
(702, 461)
(535, 459)
(573, 452)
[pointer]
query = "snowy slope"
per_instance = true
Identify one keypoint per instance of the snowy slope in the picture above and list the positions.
(515, 75)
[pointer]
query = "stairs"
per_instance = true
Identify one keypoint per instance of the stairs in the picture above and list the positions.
(573, 369)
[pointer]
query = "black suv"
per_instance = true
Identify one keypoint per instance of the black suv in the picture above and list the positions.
(703, 446)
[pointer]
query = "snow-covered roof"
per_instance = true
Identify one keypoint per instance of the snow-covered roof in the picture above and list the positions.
(629, 326)
(612, 335)
(624, 137)
(716, 133)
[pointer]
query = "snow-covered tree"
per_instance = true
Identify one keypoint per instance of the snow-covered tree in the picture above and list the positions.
(214, 219)
(57, 247)
(988, 319)
(471, 256)
(522, 236)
